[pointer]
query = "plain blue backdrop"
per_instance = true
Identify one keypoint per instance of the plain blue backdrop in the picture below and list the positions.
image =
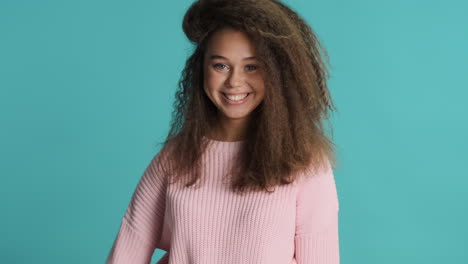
(86, 92)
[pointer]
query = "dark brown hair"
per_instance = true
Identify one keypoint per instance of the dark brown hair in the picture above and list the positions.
(287, 134)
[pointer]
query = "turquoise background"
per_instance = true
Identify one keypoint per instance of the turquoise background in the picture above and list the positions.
(86, 91)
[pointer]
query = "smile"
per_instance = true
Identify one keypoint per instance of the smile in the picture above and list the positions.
(236, 99)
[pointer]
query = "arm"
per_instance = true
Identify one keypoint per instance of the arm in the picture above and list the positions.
(140, 229)
(316, 239)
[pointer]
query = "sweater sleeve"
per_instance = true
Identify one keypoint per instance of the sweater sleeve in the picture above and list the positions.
(141, 226)
(316, 238)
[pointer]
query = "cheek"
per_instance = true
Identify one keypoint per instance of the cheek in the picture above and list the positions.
(208, 81)
(259, 86)
(261, 94)
(212, 79)
(209, 86)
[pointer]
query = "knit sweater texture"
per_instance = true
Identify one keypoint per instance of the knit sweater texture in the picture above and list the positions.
(210, 224)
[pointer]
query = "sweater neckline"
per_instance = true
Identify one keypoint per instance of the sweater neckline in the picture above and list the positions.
(223, 145)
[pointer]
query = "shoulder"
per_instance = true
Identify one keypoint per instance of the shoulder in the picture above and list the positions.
(157, 167)
(317, 185)
(319, 172)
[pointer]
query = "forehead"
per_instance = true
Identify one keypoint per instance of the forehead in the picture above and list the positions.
(230, 43)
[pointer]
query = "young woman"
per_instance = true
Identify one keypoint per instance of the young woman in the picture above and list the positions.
(246, 172)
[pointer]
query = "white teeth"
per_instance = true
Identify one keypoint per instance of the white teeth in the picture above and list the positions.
(237, 97)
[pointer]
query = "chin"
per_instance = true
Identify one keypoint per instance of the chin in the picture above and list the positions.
(235, 116)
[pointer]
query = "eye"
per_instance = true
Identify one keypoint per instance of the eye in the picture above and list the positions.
(252, 67)
(219, 66)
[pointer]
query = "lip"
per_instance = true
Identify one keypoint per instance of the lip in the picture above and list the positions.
(229, 101)
(235, 93)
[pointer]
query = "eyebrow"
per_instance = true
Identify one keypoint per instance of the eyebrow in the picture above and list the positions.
(213, 57)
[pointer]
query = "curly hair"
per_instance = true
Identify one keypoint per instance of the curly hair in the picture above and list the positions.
(286, 134)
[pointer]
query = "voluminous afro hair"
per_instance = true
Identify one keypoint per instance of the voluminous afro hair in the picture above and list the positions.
(287, 134)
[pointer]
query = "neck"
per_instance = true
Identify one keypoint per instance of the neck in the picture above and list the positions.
(229, 130)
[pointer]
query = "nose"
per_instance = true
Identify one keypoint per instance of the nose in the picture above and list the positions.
(236, 78)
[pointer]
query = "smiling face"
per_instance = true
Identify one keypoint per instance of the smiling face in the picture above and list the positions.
(231, 72)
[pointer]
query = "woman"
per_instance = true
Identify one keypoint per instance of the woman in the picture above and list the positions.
(246, 172)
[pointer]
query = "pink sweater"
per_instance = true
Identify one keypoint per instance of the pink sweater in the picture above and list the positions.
(298, 223)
